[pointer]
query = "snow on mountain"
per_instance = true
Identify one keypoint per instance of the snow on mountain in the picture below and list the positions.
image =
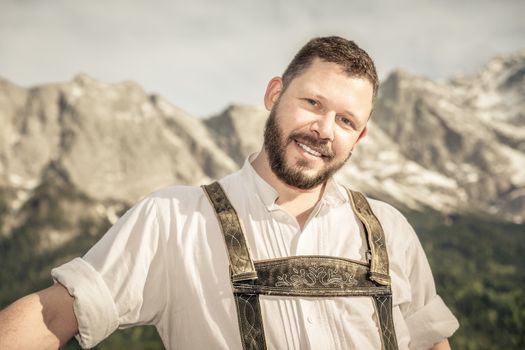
(471, 130)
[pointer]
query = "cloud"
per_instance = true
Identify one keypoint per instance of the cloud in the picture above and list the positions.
(204, 54)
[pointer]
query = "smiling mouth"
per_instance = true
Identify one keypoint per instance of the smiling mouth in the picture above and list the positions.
(310, 150)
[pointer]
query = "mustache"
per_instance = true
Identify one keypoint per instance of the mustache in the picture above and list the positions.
(317, 144)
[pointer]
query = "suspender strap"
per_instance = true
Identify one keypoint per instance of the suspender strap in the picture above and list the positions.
(250, 321)
(378, 267)
(241, 263)
(376, 238)
(242, 268)
(383, 306)
(310, 276)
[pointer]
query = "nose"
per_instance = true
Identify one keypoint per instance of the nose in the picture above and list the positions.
(323, 126)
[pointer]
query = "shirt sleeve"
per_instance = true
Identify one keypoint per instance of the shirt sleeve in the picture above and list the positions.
(428, 319)
(121, 281)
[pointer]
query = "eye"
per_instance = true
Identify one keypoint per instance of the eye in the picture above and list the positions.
(311, 102)
(347, 122)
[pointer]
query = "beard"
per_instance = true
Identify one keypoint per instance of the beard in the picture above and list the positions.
(295, 175)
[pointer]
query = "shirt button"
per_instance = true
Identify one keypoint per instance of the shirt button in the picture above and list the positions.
(310, 320)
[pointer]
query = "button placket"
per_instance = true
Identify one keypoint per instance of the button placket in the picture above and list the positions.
(305, 243)
(307, 321)
(310, 319)
(309, 241)
(315, 326)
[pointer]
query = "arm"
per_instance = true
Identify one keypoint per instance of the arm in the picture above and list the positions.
(42, 320)
(428, 319)
(442, 345)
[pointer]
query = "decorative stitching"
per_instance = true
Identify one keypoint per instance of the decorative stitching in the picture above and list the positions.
(384, 310)
(241, 263)
(250, 321)
(315, 275)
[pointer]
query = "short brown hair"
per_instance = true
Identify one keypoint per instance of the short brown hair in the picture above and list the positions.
(354, 60)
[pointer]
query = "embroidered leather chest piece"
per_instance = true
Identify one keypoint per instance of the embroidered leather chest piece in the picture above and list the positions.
(303, 276)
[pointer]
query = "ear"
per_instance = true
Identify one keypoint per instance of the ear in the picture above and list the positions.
(273, 91)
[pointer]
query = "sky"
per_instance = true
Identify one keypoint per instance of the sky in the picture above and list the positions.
(204, 55)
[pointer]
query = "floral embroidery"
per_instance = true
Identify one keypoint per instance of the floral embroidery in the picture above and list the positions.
(316, 276)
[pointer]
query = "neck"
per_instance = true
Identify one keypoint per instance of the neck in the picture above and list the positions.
(295, 201)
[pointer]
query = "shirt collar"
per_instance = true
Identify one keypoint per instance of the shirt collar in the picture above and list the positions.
(334, 194)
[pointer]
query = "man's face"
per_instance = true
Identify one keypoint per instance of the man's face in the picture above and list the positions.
(315, 123)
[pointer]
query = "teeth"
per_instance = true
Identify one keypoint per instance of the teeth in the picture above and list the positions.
(309, 150)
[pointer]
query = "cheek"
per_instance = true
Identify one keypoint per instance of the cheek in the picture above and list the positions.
(343, 144)
(294, 118)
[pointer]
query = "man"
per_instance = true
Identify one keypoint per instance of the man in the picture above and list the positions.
(165, 263)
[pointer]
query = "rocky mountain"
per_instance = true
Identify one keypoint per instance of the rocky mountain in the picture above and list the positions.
(452, 146)
(111, 143)
(238, 130)
(114, 141)
(469, 130)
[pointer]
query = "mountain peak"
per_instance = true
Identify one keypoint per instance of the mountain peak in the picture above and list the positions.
(437, 145)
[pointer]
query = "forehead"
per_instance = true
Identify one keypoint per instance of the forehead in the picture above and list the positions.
(320, 70)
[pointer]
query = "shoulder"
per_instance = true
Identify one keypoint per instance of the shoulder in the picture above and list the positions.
(386, 213)
(188, 198)
(175, 193)
(172, 200)
(398, 231)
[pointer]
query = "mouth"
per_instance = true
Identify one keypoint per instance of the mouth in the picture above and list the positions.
(318, 153)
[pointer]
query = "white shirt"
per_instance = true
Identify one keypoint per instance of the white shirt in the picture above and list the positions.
(165, 263)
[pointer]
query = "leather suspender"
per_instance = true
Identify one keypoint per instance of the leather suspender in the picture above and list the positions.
(242, 268)
(375, 236)
(378, 267)
(312, 276)
(241, 263)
